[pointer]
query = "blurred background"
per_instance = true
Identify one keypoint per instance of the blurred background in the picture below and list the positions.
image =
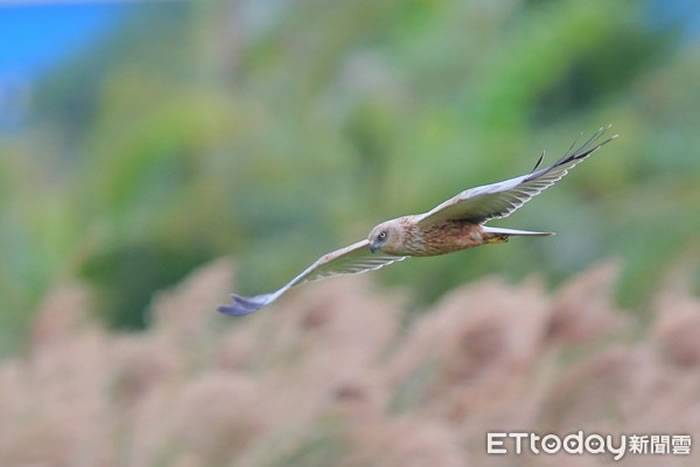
(142, 142)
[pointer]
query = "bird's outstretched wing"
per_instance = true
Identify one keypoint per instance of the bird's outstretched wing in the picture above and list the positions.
(353, 259)
(501, 199)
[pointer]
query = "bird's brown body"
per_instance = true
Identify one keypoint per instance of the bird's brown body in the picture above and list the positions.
(438, 239)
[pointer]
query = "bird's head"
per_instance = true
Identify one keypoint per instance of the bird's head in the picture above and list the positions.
(385, 237)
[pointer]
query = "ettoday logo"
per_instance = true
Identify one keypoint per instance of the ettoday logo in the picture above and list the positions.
(579, 443)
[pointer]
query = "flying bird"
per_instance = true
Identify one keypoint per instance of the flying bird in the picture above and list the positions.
(454, 225)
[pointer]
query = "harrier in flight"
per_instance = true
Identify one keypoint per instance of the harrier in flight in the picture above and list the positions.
(454, 225)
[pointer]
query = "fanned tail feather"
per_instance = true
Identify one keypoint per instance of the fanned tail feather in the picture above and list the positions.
(499, 231)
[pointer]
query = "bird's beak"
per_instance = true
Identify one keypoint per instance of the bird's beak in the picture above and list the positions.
(373, 248)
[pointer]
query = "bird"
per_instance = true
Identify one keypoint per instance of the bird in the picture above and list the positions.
(456, 224)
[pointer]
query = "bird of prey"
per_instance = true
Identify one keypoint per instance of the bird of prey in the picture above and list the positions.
(456, 224)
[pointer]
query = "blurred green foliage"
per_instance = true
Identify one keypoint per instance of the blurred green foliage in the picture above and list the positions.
(274, 132)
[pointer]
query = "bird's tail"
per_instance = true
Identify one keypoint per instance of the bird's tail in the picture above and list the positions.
(500, 234)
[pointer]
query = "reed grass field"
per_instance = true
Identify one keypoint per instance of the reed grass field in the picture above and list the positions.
(337, 376)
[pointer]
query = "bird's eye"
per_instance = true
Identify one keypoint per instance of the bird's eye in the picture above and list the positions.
(382, 235)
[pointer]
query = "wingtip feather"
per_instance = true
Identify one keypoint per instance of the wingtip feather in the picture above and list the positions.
(539, 161)
(234, 310)
(241, 306)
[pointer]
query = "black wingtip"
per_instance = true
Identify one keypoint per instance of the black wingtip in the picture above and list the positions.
(539, 161)
(583, 151)
(241, 306)
(590, 146)
(234, 309)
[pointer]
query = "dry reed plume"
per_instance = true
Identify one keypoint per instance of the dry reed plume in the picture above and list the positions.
(331, 377)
